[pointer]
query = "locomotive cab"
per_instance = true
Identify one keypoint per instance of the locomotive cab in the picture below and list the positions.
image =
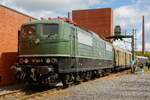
(38, 47)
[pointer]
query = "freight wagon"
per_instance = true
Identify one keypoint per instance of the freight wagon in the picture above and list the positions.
(122, 58)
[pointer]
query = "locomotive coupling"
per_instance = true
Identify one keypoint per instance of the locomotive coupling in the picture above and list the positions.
(15, 68)
(17, 72)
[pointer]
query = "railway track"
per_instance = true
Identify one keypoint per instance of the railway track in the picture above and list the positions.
(11, 95)
(24, 94)
(27, 94)
(35, 96)
(8, 93)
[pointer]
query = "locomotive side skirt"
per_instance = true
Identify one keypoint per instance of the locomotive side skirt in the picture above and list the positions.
(66, 64)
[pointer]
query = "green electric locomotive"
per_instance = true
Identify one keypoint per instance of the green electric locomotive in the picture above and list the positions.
(57, 50)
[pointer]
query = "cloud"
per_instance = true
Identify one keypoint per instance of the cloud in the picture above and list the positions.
(127, 16)
(50, 7)
(147, 46)
(54, 5)
(130, 16)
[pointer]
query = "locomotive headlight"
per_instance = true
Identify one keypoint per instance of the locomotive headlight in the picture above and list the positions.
(54, 60)
(48, 60)
(21, 60)
(26, 61)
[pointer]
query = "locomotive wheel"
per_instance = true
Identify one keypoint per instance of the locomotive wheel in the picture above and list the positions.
(93, 75)
(77, 78)
(65, 80)
(88, 76)
(98, 73)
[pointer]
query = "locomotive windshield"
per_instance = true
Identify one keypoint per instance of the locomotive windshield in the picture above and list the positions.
(28, 30)
(50, 29)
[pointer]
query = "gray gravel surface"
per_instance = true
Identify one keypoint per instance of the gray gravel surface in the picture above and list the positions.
(126, 87)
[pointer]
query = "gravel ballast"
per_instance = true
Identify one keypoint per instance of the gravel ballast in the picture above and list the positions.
(119, 86)
(124, 87)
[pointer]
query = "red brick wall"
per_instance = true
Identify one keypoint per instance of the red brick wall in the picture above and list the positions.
(10, 21)
(98, 20)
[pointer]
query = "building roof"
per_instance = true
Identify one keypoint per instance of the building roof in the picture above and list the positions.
(92, 9)
(16, 11)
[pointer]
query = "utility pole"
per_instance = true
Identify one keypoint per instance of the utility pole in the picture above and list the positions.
(143, 35)
(135, 38)
(133, 52)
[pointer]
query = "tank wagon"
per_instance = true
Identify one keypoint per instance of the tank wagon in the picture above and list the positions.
(56, 50)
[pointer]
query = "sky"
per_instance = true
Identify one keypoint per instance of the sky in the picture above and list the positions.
(127, 13)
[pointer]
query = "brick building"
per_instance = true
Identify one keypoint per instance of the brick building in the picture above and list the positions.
(99, 21)
(10, 22)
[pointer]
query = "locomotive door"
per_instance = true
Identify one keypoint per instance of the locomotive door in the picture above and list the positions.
(73, 42)
(73, 47)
